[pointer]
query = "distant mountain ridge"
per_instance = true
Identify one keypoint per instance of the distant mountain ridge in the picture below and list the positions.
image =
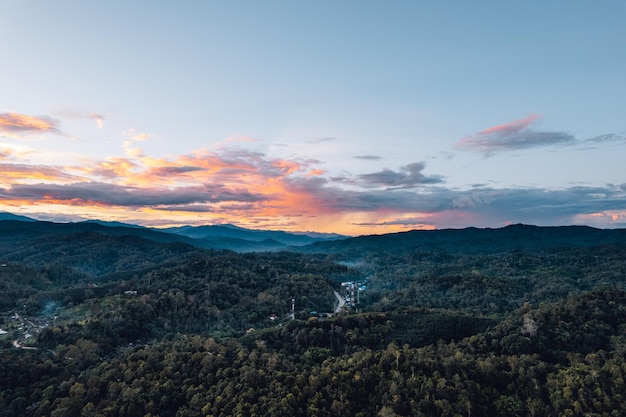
(229, 237)
(235, 232)
(4, 215)
(113, 224)
(472, 240)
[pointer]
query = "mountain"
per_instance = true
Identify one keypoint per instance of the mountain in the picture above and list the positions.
(215, 232)
(226, 237)
(472, 240)
(19, 232)
(10, 216)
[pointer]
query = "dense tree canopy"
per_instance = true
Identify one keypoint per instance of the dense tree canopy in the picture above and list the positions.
(120, 326)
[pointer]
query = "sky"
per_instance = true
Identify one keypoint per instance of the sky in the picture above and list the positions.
(354, 117)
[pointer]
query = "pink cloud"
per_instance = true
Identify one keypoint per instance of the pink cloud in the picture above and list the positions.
(515, 135)
(513, 126)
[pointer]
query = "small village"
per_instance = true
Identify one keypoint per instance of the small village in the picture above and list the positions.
(21, 331)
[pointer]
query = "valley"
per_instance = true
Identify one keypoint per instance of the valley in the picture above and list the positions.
(110, 320)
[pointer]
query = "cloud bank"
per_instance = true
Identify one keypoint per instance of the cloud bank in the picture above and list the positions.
(241, 185)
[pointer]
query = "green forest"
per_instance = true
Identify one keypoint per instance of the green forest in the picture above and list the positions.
(519, 321)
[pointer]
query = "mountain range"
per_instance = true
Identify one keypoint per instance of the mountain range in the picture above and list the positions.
(14, 229)
(226, 236)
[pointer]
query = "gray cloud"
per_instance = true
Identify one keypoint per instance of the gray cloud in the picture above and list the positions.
(342, 200)
(512, 136)
(537, 206)
(369, 157)
(399, 222)
(208, 208)
(521, 134)
(240, 161)
(192, 208)
(111, 194)
(409, 176)
(174, 170)
(479, 206)
(609, 137)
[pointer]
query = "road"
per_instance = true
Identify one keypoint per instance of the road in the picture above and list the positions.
(341, 300)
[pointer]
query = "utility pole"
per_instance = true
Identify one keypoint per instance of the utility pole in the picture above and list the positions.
(293, 308)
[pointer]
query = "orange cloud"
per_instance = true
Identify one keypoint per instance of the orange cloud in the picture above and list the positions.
(14, 124)
(316, 172)
(114, 169)
(5, 153)
(22, 173)
(287, 167)
(131, 151)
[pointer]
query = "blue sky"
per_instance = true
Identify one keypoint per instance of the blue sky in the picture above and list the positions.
(354, 116)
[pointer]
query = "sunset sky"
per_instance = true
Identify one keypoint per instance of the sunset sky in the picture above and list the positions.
(353, 117)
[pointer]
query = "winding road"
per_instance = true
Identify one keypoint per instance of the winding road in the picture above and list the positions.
(341, 300)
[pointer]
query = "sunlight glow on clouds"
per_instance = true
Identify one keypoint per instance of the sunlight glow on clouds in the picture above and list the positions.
(17, 125)
(252, 188)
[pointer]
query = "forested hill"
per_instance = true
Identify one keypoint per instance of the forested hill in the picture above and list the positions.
(10, 216)
(473, 240)
(14, 232)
